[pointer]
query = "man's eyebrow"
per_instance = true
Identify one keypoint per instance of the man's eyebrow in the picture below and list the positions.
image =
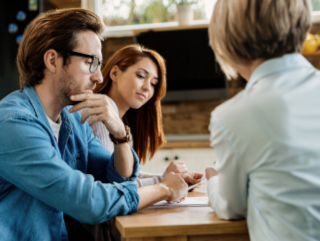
(148, 72)
(97, 57)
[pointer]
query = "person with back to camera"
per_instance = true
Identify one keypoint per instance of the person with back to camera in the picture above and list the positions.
(267, 137)
(51, 165)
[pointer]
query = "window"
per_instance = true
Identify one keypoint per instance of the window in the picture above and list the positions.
(315, 5)
(129, 12)
(123, 16)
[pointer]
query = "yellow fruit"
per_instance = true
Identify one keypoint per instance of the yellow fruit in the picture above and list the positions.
(311, 43)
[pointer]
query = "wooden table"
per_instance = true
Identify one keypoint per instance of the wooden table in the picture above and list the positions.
(178, 224)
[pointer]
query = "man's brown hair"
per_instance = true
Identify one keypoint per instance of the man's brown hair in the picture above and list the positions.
(56, 29)
(245, 30)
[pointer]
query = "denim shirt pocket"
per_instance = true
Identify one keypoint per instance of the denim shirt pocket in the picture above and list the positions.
(79, 161)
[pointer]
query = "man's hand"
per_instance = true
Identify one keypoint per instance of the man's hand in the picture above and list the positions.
(177, 189)
(100, 108)
(211, 172)
(172, 189)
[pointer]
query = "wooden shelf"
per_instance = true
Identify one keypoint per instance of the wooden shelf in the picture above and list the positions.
(173, 28)
(186, 144)
(317, 53)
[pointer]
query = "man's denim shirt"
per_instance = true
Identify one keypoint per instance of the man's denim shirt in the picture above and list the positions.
(40, 179)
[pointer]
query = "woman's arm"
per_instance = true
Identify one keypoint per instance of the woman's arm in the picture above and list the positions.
(146, 178)
(178, 166)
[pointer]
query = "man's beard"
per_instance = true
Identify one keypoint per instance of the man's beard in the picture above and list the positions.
(66, 87)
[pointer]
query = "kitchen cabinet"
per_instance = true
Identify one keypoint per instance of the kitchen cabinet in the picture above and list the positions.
(196, 159)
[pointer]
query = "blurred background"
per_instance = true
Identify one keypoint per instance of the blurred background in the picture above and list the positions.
(196, 84)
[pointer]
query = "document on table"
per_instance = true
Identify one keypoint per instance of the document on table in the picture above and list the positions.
(189, 202)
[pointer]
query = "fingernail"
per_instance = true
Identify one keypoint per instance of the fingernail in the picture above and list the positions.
(71, 97)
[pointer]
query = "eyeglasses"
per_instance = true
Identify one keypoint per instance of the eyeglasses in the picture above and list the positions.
(95, 60)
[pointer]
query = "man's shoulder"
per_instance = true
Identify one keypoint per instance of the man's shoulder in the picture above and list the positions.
(16, 104)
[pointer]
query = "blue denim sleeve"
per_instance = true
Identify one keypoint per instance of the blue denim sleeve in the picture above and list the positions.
(103, 168)
(30, 162)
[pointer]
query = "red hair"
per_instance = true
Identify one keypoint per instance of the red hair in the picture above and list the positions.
(146, 122)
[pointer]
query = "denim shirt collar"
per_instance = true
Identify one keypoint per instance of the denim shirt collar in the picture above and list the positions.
(66, 126)
(39, 110)
(277, 65)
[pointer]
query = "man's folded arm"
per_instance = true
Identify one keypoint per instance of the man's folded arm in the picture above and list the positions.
(103, 168)
(30, 162)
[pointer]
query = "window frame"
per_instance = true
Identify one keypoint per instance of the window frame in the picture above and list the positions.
(129, 30)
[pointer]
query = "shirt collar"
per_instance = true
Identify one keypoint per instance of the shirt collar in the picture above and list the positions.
(39, 110)
(276, 65)
(35, 102)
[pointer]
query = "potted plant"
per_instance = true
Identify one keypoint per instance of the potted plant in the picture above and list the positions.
(184, 11)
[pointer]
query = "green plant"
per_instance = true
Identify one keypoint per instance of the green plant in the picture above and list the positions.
(185, 2)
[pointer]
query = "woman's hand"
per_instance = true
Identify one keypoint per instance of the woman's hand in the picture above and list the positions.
(192, 177)
(177, 166)
(211, 172)
(180, 167)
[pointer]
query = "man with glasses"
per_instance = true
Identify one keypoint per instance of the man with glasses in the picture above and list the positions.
(95, 62)
(54, 173)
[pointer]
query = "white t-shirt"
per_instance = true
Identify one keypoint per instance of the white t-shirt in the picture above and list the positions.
(55, 127)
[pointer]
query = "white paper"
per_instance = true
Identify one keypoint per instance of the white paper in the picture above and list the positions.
(189, 202)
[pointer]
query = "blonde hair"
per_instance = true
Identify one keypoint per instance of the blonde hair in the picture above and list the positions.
(241, 31)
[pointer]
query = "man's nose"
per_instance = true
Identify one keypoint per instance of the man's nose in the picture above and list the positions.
(97, 76)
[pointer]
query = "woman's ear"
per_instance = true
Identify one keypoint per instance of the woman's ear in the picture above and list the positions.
(114, 73)
(51, 60)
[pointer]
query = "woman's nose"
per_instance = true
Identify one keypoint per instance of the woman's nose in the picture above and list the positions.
(146, 85)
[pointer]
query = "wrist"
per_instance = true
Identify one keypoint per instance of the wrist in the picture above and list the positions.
(122, 136)
(164, 190)
(164, 174)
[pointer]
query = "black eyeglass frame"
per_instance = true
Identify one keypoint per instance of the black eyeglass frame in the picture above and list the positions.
(93, 68)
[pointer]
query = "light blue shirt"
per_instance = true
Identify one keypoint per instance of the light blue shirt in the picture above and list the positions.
(41, 179)
(267, 142)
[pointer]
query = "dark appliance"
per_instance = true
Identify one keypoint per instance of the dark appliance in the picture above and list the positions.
(192, 71)
(14, 17)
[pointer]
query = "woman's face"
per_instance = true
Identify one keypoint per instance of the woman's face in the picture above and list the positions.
(136, 85)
